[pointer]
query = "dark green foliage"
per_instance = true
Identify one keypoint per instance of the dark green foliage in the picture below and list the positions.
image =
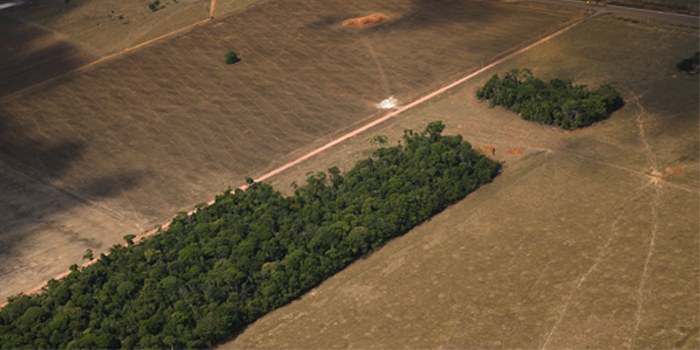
(231, 57)
(250, 252)
(154, 5)
(687, 65)
(556, 102)
(88, 255)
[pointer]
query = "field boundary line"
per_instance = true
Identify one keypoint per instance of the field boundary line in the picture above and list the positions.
(106, 58)
(342, 138)
(125, 51)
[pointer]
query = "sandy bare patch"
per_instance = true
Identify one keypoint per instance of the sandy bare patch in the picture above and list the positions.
(367, 21)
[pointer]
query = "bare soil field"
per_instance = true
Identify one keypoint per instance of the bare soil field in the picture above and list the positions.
(161, 128)
(30, 54)
(688, 7)
(589, 239)
(107, 27)
(47, 38)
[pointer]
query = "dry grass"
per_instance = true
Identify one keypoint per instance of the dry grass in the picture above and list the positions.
(164, 127)
(106, 27)
(576, 245)
(687, 7)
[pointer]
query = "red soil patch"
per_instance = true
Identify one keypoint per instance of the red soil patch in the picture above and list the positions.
(673, 171)
(487, 149)
(535, 145)
(367, 21)
(555, 57)
(516, 151)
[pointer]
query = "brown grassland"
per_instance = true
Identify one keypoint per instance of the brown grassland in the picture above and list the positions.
(679, 6)
(47, 38)
(589, 239)
(105, 27)
(120, 146)
(30, 54)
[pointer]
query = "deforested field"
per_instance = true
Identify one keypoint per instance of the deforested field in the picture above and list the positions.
(30, 54)
(105, 27)
(140, 136)
(588, 239)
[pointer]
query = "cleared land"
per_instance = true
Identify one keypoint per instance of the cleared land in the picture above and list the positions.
(578, 244)
(30, 54)
(106, 27)
(44, 39)
(678, 6)
(159, 129)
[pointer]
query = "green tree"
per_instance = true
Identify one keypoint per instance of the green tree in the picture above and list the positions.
(231, 57)
(88, 255)
(129, 239)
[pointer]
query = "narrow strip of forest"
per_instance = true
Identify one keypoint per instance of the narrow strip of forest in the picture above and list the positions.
(252, 251)
(557, 102)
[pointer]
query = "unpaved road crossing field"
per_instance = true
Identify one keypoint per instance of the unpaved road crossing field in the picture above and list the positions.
(582, 242)
(161, 128)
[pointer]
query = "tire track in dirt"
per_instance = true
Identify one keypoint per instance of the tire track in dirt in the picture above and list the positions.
(382, 76)
(645, 271)
(601, 255)
(655, 181)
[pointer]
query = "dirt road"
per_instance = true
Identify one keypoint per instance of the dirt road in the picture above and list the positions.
(630, 11)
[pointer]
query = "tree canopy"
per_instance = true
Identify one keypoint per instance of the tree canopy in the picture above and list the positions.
(224, 266)
(687, 65)
(556, 102)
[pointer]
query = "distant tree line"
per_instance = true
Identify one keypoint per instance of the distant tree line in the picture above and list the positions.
(557, 102)
(689, 65)
(226, 265)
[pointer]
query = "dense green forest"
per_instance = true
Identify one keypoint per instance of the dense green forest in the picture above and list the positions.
(556, 102)
(221, 268)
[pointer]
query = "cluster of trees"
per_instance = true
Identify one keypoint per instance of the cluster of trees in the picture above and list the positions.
(689, 65)
(228, 264)
(556, 102)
